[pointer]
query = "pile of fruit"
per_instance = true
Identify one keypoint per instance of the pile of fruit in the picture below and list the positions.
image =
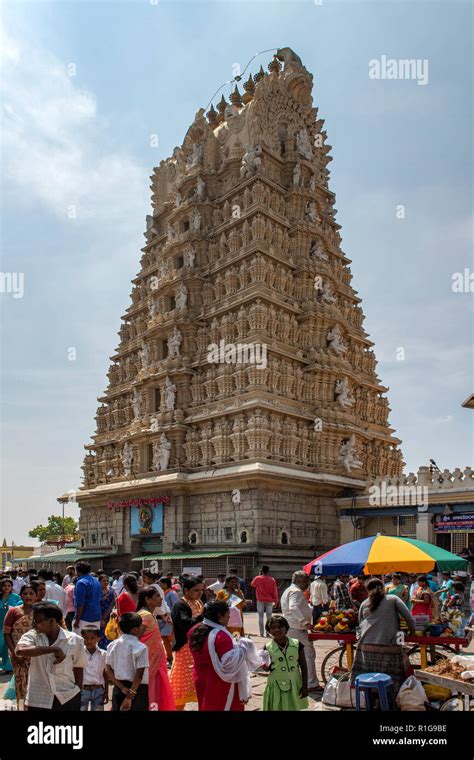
(337, 621)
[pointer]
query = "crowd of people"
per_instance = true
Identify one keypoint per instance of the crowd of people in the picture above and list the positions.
(152, 642)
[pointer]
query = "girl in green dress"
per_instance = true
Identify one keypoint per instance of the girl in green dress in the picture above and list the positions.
(287, 684)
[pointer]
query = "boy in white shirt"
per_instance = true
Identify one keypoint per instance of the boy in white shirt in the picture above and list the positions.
(95, 685)
(127, 665)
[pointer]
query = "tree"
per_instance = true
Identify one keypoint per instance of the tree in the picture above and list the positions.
(55, 529)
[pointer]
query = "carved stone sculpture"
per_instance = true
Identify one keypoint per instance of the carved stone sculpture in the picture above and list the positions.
(303, 145)
(127, 459)
(251, 161)
(335, 341)
(170, 390)
(343, 393)
(181, 296)
(348, 454)
(161, 453)
(174, 342)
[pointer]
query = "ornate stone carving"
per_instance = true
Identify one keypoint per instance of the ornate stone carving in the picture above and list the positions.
(343, 393)
(348, 454)
(303, 145)
(127, 459)
(161, 453)
(170, 390)
(174, 343)
(335, 341)
(251, 161)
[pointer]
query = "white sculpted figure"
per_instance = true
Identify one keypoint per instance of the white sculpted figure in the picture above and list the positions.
(161, 453)
(348, 454)
(317, 251)
(152, 308)
(150, 227)
(145, 355)
(189, 257)
(127, 459)
(251, 161)
(171, 234)
(326, 293)
(163, 268)
(303, 145)
(344, 395)
(174, 342)
(181, 296)
(312, 183)
(230, 112)
(195, 157)
(311, 212)
(136, 404)
(195, 221)
(297, 178)
(334, 338)
(170, 389)
(178, 199)
(200, 192)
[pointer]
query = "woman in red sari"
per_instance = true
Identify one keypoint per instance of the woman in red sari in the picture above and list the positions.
(127, 601)
(209, 642)
(160, 694)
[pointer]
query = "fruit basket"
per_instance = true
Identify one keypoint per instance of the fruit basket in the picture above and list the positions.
(337, 621)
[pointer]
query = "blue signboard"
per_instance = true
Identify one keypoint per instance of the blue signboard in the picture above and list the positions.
(146, 519)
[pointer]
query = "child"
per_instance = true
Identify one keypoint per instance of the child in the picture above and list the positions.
(95, 684)
(127, 665)
(57, 661)
(287, 684)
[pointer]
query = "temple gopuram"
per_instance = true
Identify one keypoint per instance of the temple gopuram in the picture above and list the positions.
(243, 397)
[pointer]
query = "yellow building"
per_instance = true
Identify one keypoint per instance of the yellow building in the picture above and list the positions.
(11, 552)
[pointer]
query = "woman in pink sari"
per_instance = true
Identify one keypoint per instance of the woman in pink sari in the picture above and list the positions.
(160, 694)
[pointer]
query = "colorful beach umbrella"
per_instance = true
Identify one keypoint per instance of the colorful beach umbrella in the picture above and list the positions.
(385, 554)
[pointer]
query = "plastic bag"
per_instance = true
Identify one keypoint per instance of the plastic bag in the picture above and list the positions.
(412, 696)
(112, 630)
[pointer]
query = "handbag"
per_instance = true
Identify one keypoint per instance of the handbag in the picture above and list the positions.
(339, 692)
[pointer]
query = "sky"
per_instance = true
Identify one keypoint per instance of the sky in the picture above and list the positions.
(90, 87)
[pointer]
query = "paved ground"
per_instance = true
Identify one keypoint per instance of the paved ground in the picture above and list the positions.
(258, 680)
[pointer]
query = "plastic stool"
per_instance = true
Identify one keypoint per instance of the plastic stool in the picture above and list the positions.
(380, 681)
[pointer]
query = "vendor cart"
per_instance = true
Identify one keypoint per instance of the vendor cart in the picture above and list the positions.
(422, 650)
(457, 688)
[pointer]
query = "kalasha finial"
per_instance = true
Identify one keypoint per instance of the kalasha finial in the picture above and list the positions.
(249, 88)
(274, 66)
(236, 98)
(212, 116)
(260, 75)
(221, 108)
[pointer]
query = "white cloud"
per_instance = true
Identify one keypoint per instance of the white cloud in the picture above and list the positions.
(53, 141)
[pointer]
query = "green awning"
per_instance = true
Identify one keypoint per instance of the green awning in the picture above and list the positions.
(190, 555)
(66, 555)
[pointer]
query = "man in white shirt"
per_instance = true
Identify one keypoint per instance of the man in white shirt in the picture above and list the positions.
(127, 665)
(70, 575)
(54, 592)
(17, 580)
(57, 662)
(117, 583)
(297, 611)
(318, 594)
